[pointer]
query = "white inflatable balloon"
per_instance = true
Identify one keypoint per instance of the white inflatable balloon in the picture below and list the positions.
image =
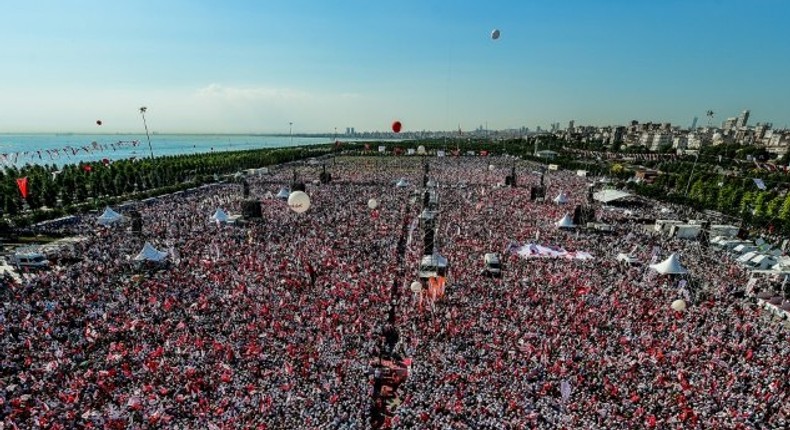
(495, 34)
(299, 202)
(491, 167)
(373, 203)
(421, 150)
(679, 305)
(416, 287)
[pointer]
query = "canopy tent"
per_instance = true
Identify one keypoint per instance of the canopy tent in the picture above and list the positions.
(433, 265)
(746, 257)
(149, 253)
(219, 215)
(762, 261)
(744, 248)
(402, 183)
(608, 196)
(109, 217)
(561, 198)
(283, 194)
(565, 222)
(670, 266)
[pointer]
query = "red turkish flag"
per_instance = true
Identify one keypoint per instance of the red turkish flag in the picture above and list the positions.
(22, 184)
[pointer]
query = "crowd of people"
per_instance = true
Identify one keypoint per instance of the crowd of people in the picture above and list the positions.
(274, 324)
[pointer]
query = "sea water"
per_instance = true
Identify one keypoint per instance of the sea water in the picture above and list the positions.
(60, 149)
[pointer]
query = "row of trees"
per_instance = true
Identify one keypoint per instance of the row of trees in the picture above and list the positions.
(54, 191)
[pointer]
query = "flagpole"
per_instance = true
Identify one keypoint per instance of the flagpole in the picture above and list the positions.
(696, 158)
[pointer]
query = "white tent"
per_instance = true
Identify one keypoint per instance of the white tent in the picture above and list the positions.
(109, 217)
(149, 253)
(762, 261)
(565, 222)
(402, 183)
(744, 248)
(219, 215)
(561, 198)
(746, 257)
(608, 196)
(283, 194)
(670, 266)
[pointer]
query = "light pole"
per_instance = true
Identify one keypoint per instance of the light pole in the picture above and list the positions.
(692, 173)
(290, 133)
(143, 109)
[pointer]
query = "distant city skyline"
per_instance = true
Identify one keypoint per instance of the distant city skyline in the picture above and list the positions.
(256, 67)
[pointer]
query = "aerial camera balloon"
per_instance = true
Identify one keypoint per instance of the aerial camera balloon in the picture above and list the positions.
(373, 203)
(396, 126)
(299, 202)
(98, 122)
(679, 305)
(495, 34)
(416, 286)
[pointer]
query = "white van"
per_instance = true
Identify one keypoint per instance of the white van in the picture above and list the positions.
(492, 265)
(28, 259)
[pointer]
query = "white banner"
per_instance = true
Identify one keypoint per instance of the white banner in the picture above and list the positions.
(532, 250)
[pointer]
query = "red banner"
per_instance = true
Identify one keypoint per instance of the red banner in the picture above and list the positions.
(22, 184)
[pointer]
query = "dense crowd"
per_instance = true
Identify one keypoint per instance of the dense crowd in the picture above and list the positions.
(273, 324)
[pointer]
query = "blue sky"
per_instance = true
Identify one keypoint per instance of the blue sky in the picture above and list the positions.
(255, 66)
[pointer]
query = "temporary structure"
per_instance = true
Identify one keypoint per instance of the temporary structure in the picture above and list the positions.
(220, 216)
(565, 222)
(109, 217)
(670, 266)
(149, 253)
(283, 194)
(608, 196)
(402, 183)
(561, 198)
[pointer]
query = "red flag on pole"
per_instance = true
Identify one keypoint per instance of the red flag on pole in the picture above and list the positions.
(22, 184)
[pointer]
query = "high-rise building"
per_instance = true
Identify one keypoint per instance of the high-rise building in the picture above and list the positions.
(694, 123)
(729, 123)
(742, 119)
(570, 125)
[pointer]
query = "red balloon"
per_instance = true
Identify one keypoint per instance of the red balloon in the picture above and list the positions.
(98, 122)
(396, 126)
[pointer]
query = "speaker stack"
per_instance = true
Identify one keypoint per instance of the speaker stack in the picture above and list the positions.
(251, 209)
(137, 222)
(536, 193)
(583, 214)
(245, 188)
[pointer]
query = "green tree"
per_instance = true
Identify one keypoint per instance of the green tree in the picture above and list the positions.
(784, 212)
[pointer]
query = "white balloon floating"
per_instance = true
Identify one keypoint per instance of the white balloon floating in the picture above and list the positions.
(495, 34)
(373, 203)
(299, 202)
(416, 286)
(421, 150)
(491, 167)
(679, 305)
